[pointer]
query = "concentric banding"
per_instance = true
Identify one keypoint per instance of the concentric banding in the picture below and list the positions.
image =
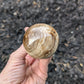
(40, 41)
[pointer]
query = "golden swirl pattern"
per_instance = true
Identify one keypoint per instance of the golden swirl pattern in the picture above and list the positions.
(40, 41)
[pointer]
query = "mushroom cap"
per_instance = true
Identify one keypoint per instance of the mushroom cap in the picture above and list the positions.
(41, 41)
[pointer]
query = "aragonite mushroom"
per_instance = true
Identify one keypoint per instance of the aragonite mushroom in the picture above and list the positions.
(41, 41)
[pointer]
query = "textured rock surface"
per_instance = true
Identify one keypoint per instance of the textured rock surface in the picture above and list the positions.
(66, 16)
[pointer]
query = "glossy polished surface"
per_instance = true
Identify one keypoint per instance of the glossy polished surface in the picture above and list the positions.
(40, 41)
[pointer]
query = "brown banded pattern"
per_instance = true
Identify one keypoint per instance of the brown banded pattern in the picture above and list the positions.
(41, 41)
